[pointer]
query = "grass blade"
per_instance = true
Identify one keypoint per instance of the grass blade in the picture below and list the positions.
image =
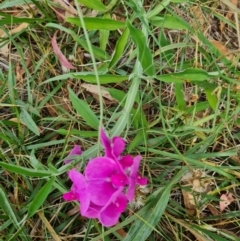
(40, 198)
(84, 110)
(6, 207)
(143, 227)
(94, 4)
(98, 23)
(29, 122)
(25, 171)
(144, 53)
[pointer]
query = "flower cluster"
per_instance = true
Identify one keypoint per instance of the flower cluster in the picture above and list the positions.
(108, 183)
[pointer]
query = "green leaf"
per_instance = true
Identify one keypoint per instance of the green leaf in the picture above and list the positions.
(169, 54)
(28, 121)
(171, 22)
(179, 92)
(77, 133)
(97, 23)
(7, 209)
(143, 226)
(104, 34)
(98, 53)
(211, 98)
(25, 171)
(104, 79)
(84, 110)
(144, 53)
(120, 47)
(158, 8)
(117, 94)
(40, 198)
(7, 19)
(94, 4)
(184, 76)
(138, 139)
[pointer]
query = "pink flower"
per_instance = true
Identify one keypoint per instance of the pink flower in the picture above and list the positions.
(76, 151)
(108, 182)
(104, 178)
(135, 178)
(114, 147)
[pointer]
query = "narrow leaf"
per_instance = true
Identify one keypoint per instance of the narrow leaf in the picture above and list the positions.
(144, 53)
(179, 93)
(104, 34)
(163, 4)
(84, 110)
(143, 227)
(171, 22)
(7, 209)
(28, 121)
(94, 4)
(104, 79)
(211, 98)
(98, 53)
(120, 47)
(97, 23)
(186, 75)
(62, 59)
(141, 230)
(40, 198)
(25, 171)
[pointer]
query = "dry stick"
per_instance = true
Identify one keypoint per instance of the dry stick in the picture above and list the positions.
(49, 227)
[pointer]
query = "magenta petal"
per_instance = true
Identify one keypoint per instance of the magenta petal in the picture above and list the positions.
(100, 192)
(142, 180)
(100, 168)
(119, 179)
(120, 202)
(84, 200)
(78, 179)
(70, 196)
(110, 214)
(118, 146)
(126, 161)
(131, 190)
(133, 178)
(106, 142)
(74, 152)
(135, 166)
(92, 211)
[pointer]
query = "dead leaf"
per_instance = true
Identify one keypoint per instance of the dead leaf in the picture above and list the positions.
(189, 202)
(199, 183)
(197, 180)
(19, 28)
(73, 211)
(67, 7)
(5, 49)
(62, 59)
(49, 227)
(121, 232)
(228, 15)
(94, 90)
(226, 199)
(213, 210)
(199, 20)
(19, 73)
(223, 49)
(64, 10)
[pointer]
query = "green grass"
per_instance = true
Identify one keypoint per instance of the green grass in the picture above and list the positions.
(176, 102)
